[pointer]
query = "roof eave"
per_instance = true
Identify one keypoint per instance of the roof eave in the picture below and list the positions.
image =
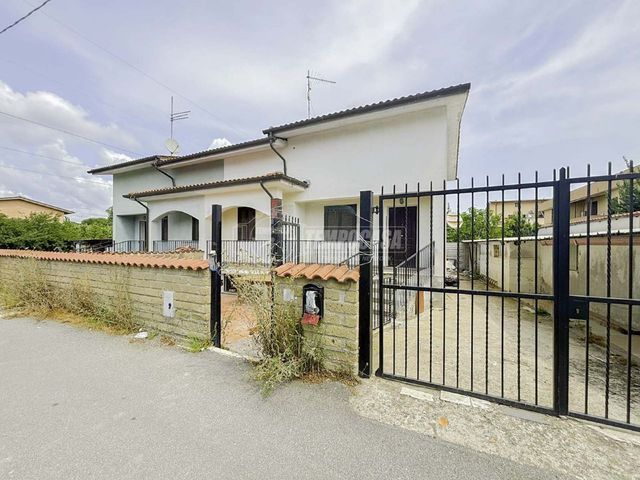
(372, 108)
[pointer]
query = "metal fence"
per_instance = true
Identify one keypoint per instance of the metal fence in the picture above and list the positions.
(522, 328)
(172, 245)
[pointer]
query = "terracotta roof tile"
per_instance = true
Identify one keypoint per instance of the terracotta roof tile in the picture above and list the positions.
(315, 271)
(130, 260)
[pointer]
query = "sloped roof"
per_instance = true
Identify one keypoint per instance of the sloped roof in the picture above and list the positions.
(130, 260)
(372, 107)
(130, 163)
(219, 184)
(312, 271)
(35, 202)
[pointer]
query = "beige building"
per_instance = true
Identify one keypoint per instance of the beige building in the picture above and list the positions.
(585, 203)
(21, 207)
(527, 208)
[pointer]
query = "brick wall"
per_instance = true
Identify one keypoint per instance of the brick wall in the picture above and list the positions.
(338, 329)
(144, 284)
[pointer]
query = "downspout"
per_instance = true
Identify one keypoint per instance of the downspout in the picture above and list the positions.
(155, 165)
(272, 140)
(146, 224)
(265, 190)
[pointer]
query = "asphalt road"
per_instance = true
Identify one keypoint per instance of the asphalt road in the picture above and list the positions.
(76, 404)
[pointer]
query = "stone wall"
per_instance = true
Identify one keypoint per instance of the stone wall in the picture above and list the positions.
(144, 286)
(337, 331)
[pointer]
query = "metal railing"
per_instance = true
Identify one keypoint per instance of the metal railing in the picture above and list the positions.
(171, 245)
(128, 246)
(245, 252)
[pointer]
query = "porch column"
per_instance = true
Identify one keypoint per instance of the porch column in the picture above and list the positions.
(276, 232)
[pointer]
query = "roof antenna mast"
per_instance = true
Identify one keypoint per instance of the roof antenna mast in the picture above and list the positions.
(311, 78)
(171, 144)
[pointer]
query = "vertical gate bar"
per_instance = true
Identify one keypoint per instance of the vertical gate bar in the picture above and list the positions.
(535, 290)
(418, 292)
(561, 293)
(473, 274)
(458, 283)
(502, 298)
(608, 358)
(444, 282)
(364, 284)
(406, 292)
(381, 290)
(393, 292)
(431, 283)
(587, 293)
(519, 227)
(486, 306)
(630, 281)
(215, 323)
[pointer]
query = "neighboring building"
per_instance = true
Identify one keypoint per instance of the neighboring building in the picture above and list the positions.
(584, 204)
(527, 208)
(316, 166)
(22, 207)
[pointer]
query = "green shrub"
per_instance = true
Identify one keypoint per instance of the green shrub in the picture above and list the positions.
(284, 352)
(31, 290)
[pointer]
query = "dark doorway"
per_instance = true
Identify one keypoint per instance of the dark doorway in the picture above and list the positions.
(402, 236)
(246, 223)
(195, 229)
(164, 230)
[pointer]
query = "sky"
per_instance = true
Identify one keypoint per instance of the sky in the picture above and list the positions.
(553, 83)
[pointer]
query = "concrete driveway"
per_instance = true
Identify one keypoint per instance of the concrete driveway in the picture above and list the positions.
(76, 404)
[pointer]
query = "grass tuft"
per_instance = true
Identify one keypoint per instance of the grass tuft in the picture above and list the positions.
(198, 344)
(284, 351)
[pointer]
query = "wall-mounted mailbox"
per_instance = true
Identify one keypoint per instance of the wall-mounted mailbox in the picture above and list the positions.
(312, 304)
(168, 307)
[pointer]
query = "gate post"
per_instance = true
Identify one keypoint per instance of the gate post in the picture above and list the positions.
(364, 284)
(277, 249)
(561, 229)
(215, 261)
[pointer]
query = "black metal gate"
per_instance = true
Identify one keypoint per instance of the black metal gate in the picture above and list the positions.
(544, 313)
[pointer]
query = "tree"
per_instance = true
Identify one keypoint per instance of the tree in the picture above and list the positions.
(475, 224)
(628, 196)
(515, 226)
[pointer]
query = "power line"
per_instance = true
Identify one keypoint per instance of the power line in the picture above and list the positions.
(77, 179)
(140, 71)
(25, 16)
(76, 88)
(43, 156)
(67, 132)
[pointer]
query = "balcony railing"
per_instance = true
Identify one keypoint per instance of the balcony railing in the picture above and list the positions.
(128, 246)
(172, 245)
(245, 252)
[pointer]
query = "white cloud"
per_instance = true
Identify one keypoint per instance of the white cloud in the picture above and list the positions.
(109, 157)
(218, 143)
(38, 162)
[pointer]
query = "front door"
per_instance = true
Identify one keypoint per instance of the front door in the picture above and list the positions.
(402, 235)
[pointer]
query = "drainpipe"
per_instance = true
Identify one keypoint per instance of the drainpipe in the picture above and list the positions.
(146, 224)
(272, 140)
(155, 165)
(265, 190)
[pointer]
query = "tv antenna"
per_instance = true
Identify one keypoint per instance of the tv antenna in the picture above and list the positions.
(171, 144)
(311, 78)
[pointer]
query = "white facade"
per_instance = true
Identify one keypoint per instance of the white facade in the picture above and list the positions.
(407, 143)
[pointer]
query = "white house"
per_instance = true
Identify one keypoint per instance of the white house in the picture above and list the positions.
(316, 166)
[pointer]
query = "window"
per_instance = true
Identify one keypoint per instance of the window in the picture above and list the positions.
(195, 229)
(340, 223)
(496, 251)
(594, 207)
(164, 229)
(573, 257)
(246, 223)
(142, 230)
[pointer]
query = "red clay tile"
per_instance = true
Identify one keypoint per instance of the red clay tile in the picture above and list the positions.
(132, 260)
